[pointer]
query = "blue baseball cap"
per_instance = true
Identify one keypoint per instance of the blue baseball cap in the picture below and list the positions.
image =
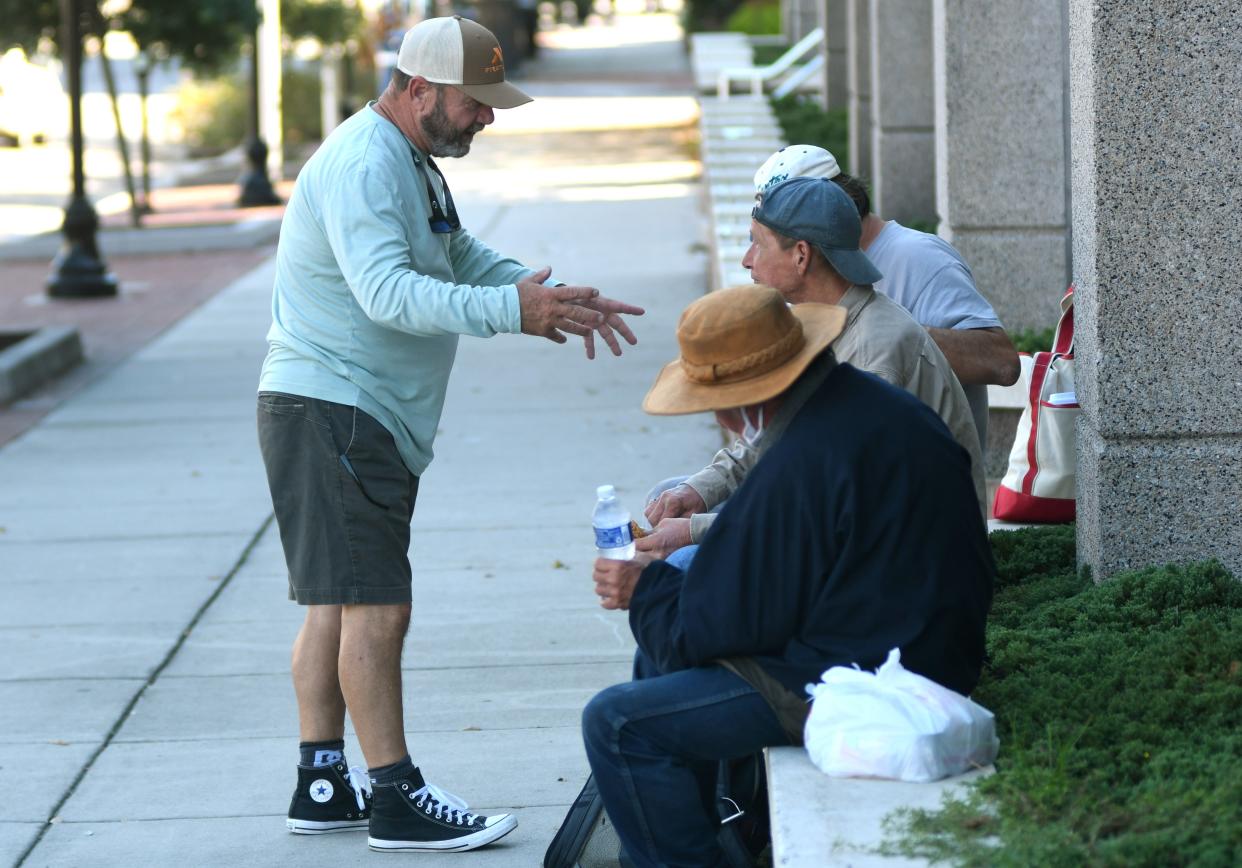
(819, 212)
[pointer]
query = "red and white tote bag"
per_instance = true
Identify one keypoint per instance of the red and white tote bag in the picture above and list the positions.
(1039, 485)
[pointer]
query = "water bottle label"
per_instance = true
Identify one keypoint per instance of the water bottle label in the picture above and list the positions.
(613, 537)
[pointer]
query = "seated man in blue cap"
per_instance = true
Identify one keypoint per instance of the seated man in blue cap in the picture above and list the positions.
(857, 532)
(924, 274)
(805, 235)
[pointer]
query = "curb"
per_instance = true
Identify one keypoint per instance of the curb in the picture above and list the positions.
(35, 359)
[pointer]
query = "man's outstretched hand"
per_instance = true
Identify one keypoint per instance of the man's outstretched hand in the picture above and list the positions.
(612, 324)
(547, 311)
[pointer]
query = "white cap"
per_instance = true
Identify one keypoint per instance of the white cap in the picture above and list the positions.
(796, 161)
(457, 51)
(606, 492)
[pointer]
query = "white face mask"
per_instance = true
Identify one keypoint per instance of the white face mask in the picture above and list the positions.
(751, 433)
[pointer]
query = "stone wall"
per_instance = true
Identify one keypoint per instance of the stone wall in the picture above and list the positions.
(1000, 150)
(836, 26)
(903, 146)
(858, 27)
(1157, 180)
(800, 17)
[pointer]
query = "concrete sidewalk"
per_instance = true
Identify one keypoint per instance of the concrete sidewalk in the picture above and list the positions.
(145, 703)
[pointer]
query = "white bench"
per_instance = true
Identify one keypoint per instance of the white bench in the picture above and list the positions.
(823, 822)
(757, 75)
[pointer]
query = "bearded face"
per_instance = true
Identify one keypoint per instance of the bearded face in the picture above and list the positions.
(445, 136)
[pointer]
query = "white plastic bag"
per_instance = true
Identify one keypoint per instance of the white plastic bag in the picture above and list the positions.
(895, 724)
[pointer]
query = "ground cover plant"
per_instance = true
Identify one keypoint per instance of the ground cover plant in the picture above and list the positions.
(1119, 708)
(1033, 340)
(804, 122)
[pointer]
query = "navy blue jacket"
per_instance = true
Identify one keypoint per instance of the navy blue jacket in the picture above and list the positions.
(857, 532)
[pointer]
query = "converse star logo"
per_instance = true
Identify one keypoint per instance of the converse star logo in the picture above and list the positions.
(321, 790)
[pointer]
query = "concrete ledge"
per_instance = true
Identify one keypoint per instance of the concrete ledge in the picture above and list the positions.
(753, 144)
(1005, 405)
(712, 52)
(171, 239)
(738, 159)
(995, 524)
(823, 822)
(35, 358)
(737, 136)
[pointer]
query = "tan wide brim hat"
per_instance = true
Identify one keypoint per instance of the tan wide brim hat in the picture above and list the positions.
(741, 346)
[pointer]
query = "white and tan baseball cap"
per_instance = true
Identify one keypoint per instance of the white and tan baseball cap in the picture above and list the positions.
(796, 161)
(457, 51)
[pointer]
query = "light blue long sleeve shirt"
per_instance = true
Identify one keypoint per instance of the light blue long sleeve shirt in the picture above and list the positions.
(369, 302)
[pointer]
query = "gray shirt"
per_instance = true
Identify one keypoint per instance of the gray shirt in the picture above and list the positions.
(928, 277)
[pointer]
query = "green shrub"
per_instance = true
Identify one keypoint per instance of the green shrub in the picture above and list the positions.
(1033, 340)
(768, 54)
(1119, 708)
(756, 18)
(805, 123)
(302, 118)
(707, 15)
(214, 114)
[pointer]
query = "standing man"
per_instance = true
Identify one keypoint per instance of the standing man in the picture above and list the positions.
(375, 281)
(924, 274)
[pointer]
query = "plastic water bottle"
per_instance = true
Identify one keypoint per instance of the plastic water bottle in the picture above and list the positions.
(611, 521)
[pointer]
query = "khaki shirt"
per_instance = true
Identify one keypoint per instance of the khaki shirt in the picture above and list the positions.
(882, 338)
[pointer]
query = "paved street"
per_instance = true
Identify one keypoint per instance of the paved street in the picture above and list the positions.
(144, 691)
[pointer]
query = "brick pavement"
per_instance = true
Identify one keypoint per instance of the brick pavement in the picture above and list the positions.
(156, 291)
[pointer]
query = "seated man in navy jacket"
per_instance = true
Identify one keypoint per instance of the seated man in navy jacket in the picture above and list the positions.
(858, 531)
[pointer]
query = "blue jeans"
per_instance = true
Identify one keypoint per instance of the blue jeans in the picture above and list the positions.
(655, 745)
(682, 557)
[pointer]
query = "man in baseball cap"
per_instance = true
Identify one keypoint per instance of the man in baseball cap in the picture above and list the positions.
(805, 244)
(857, 533)
(376, 278)
(795, 161)
(924, 274)
(457, 51)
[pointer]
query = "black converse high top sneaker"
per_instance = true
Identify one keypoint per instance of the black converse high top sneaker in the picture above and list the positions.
(410, 815)
(330, 799)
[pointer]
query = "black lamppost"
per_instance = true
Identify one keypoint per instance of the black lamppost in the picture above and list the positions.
(142, 68)
(78, 270)
(256, 189)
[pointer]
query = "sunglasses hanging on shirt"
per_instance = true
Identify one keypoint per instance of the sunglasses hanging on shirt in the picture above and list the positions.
(439, 222)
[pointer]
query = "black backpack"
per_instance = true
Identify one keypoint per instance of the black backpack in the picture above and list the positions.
(587, 839)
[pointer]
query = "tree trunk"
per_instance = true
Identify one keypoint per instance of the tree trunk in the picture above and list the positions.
(135, 213)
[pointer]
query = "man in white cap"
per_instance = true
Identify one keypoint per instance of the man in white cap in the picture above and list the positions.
(858, 532)
(924, 274)
(375, 281)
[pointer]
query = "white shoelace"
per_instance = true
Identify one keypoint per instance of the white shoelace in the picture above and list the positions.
(361, 782)
(445, 803)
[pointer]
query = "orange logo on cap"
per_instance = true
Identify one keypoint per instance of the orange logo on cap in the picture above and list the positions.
(498, 61)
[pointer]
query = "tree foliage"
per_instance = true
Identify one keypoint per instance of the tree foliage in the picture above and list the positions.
(26, 22)
(329, 21)
(205, 36)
